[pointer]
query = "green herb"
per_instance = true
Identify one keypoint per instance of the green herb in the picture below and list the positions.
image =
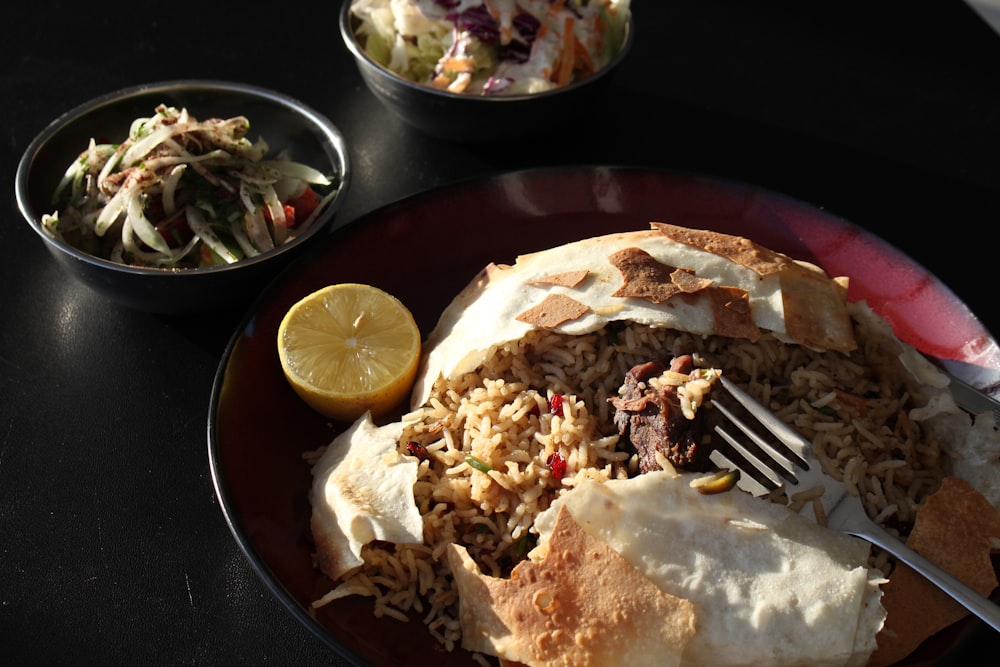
(827, 410)
(478, 464)
(523, 546)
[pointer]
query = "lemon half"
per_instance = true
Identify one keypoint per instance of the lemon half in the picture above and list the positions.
(350, 348)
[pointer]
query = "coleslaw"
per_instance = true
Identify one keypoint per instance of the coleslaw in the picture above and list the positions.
(492, 47)
(181, 193)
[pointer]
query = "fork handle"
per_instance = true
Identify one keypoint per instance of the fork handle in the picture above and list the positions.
(978, 604)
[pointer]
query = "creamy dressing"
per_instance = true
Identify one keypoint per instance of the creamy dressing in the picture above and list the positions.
(424, 40)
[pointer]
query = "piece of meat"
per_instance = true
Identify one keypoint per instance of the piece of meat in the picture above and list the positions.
(650, 420)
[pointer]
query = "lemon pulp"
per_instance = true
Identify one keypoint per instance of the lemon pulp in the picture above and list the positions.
(349, 348)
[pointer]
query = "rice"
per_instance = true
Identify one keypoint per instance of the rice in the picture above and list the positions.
(497, 447)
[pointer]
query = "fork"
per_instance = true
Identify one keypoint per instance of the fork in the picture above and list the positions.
(801, 474)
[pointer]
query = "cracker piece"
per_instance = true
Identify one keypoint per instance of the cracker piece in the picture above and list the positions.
(688, 282)
(643, 277)
(554, 310)
(731, 310)
(582, 604)
(814, 308)
(953, 529)
(813, 303)
(564, 279)
(737, 249)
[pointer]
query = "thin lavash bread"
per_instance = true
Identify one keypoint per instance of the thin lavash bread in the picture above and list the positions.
(698, 281)
(736, 289)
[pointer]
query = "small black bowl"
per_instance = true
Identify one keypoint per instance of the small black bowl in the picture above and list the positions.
(280, 120)
(467, 118)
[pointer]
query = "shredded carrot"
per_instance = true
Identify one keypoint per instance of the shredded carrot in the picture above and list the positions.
(458, 65)
(600, 25)
(441, 82)
(601, 29)
(460, 83)
(582, 55)
(567, 61)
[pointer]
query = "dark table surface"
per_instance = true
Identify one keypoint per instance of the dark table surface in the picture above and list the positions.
(113, 547)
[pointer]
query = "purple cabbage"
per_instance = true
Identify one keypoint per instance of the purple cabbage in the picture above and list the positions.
(477, 22)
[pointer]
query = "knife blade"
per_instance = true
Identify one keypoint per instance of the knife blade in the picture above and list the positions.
(973, 400)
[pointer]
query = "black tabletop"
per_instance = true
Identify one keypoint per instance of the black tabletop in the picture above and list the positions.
(113, 547)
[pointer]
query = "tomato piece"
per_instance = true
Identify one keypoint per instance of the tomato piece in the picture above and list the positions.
(297, 208)
(304, 204)
(176, 231)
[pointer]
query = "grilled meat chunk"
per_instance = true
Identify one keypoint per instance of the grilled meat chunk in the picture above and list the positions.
(649, 419)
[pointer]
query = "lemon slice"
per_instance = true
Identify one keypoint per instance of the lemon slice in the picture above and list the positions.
(349, 348)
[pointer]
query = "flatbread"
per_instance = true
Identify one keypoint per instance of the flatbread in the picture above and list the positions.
(580, 604)
(957, 528)
(362, 491)
(668, 276)
(691, 280)
(768, 586)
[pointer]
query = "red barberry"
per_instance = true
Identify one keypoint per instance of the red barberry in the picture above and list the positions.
(556, 405)
(416, 449)
(557, 464)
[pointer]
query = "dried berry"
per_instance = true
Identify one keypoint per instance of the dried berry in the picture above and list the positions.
(557, 464)
(416, 449)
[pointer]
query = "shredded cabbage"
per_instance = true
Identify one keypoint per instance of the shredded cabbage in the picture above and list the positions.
(183, 193)
(492, 47)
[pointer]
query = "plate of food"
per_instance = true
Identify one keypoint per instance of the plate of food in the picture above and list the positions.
(547, 491)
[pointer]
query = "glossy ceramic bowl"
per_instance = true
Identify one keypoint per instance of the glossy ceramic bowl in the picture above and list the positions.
(259, 429)
(467, 118)
(283, 122)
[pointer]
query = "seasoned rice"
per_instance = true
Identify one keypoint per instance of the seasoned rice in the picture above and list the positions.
(490, 438)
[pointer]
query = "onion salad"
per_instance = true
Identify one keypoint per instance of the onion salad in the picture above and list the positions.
(492, 47)
(181, 193)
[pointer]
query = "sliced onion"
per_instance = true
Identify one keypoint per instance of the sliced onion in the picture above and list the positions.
(144, 228)
(277, 211)
(257, 232)
(114, 209)
(130, 246)
(204, 231)
(243, 241)
(140, 148)
(170, 188)
(297, 170)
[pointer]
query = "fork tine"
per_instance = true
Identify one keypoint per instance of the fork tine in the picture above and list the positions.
(783, 468)
(733, 455)
(751, 480)
(845, 511)
(797, 445)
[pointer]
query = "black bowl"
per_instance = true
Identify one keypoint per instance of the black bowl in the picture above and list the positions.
(280, 120)
(466, 118)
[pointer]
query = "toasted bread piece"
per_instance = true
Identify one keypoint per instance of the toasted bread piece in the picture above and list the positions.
(769, 587)
(582, 604)
(957, 528)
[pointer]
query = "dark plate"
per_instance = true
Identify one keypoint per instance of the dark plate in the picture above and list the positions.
(424, 250)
